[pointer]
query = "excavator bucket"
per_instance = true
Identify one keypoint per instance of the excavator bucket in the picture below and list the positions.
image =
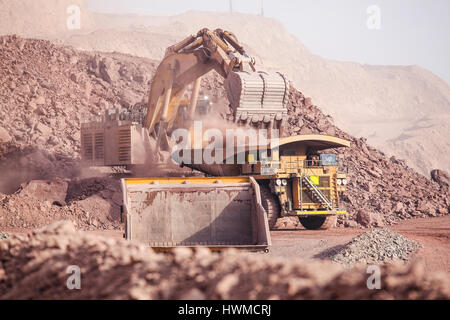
(195, 212)
(258, 98)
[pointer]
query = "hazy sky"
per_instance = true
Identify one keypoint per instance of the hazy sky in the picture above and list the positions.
(412, 32)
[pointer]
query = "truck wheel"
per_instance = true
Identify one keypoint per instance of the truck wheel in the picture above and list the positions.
(271, 204)
(316, 223)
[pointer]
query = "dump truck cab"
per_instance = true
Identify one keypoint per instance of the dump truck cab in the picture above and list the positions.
(305, 179)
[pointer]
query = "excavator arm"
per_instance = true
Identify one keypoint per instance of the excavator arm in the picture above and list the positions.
(257, 98)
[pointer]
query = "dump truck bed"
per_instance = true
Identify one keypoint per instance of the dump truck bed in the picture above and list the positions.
(217, 213)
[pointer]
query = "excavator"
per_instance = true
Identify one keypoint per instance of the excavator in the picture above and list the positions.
(235, 203)
(256, 98)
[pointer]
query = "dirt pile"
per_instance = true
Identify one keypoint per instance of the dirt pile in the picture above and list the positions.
(90, 204)
(48, 90)
(381, 190)
(45, 93)
(34, 266)
(376, 246)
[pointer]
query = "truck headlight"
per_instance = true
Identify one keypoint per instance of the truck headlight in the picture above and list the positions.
(278, 182)
(339, 182)
(344, 182)
(284, 182)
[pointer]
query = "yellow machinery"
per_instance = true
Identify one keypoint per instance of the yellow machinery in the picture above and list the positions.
(256, 98)
(297, 179)
(286, 177)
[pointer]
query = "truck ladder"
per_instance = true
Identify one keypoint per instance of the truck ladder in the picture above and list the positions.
(317, 193)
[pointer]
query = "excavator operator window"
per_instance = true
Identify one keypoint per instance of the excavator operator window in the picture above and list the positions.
(204, 106)
(328, 160)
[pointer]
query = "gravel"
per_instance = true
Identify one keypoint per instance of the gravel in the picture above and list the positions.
(376, 246)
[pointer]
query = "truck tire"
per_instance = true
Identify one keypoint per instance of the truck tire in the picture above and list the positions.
(271, 204)
(318, 222)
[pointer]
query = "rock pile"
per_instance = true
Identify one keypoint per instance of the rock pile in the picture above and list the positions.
(90, 204)
(376, 246)
(34, 266)
(47, 91)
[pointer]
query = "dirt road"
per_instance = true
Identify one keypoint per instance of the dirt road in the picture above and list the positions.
(432, 233)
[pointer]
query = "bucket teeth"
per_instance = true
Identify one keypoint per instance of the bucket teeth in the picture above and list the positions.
(257, 98)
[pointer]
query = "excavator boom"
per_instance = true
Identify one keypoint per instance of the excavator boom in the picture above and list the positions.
(256, 98)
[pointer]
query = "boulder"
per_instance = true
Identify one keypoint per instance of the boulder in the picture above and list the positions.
(4, 135)
(441, 177)
(369, 219)
(350, 224)
(108, 70)
(53, 191)
(45, 130)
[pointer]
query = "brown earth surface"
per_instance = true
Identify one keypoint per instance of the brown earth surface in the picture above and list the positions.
(34, 266)
(432, 233)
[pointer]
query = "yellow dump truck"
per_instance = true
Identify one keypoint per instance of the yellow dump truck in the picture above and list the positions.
(298, 179)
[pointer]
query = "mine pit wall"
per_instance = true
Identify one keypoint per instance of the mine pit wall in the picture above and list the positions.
(191, 215)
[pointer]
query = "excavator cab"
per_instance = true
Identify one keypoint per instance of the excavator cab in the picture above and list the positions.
(204, 107)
